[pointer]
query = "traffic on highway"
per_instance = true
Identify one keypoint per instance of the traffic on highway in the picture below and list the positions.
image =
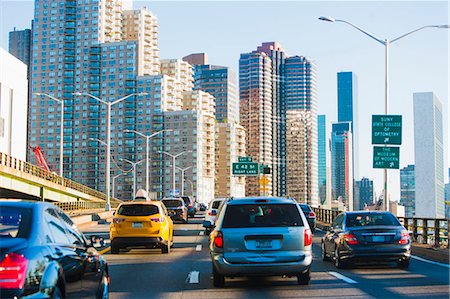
(259, 247)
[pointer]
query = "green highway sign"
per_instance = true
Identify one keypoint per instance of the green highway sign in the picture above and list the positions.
(387, 129)
(247, 168)
(386, 157)
(245, 159)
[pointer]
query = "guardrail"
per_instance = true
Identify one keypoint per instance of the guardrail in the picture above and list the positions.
(83, 205)
(423, 230)
(34, 170)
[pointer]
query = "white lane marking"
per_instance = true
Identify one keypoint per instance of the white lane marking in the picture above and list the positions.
(193, 277)
(342, 277)
(184, 229)
(202, 233)
(199, 247)
(430, 262)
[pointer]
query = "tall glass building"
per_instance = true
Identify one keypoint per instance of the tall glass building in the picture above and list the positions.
(407, 190)
(365, 190)
(322, 157)
(20, 44)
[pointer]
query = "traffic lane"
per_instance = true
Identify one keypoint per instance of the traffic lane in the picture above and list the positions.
(387, 281)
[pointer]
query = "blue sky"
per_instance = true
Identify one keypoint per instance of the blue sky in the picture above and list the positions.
(224, 29)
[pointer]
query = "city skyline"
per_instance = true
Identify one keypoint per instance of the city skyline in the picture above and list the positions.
(340, 48)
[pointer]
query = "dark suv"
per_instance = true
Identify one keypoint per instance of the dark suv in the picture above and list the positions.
(189, 202)
(176, 208)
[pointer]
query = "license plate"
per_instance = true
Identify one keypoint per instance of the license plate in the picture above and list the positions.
(377, 238)
(263, 243)
(137, 224)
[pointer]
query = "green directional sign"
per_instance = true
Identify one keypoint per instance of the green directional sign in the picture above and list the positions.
(387, 129)
(245, 159)
(247, 168)
(386, 157)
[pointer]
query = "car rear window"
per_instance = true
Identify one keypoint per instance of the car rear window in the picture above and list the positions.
(216, 204)
(262, 215)
(138, 210)
(371, 219)
(305, 208)
(14, 222)
(173, 203)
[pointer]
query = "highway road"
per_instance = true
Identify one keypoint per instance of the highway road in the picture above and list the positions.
(186, 273)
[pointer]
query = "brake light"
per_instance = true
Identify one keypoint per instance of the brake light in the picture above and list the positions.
(311, 214)
(218, 240)
(307, 237)
(350, 239)
(12, 271)
(404, 238)
(118, 220)
(158, 219)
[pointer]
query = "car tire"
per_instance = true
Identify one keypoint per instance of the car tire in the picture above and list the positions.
(403, 264)
(187, 219)
(207, 231)
(165, 248)
(218, 279)
(114, 249)
(338, 262)
(304, 278)
(325, 257)
(57, 294)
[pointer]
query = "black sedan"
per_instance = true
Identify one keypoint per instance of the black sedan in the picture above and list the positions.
(44, 255)
(310, 216)
(366, 236)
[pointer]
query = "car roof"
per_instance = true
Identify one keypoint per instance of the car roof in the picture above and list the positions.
(367, 212)
(148, 202)
(23, 203)
(266, 199)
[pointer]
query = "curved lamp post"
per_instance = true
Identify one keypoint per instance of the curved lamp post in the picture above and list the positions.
(173, 165)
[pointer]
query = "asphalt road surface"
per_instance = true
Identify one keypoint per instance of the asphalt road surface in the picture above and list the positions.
(186, 273)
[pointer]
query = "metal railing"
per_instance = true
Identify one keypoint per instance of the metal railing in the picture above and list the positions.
(424, 230)
(83, 205)
(36, 171)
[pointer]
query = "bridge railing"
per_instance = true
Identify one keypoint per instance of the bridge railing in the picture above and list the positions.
(83, 205)
(34, 170)
(424, 230)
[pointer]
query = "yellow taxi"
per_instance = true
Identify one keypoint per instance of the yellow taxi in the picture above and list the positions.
(141, 224)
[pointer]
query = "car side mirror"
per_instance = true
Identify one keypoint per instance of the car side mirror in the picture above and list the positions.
(97, 242)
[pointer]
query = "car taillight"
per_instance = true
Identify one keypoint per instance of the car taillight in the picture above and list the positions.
(311, 214)
(404, 238)
(118, 220)
(158, 219)
(307, 237)
(218, 240)
(350, 239)
(12, 271)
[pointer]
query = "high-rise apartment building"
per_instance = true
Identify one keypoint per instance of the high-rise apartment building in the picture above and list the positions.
(271, 83)
(429, 155)
(407, 190)
(20, 44)
(341, 164)
(447, 197)
(322, 153)
(13, 106)
(365, 194)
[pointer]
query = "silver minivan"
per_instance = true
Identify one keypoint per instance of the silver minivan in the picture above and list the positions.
(261, 236)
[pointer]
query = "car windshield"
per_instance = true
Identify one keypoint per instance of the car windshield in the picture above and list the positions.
(371, 219)
(261, 215)
(305, 208)
(172, 203)
(138, 210)
(215, 204)
(14, 222)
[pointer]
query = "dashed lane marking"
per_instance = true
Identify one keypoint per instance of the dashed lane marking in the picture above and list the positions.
(342, 277)
(193, 277)
(198, 247)
(202, 233)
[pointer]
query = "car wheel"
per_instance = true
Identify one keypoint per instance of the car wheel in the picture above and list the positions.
(304, 278)
(337, 260)
(207, 231)
(165, 248)
(325, 257)
(187, 219)
(403, 264)
(57, 293)
(218, 279)
(114, 249)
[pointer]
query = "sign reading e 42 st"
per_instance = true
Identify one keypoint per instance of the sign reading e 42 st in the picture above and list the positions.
(387, 129)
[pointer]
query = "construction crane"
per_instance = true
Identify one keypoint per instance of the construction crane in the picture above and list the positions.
(40, 157)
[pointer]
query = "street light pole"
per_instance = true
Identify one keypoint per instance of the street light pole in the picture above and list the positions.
(147, 153)
(182, 178)
(173, 165)
(133, 164)
(386, 43)
(61, 133)
(108, 138)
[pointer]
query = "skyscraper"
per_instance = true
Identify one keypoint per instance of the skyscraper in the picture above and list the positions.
(365, 190)
(429, 155)
(20, 44)
(407, 190)
(341, 163)
(322, 157)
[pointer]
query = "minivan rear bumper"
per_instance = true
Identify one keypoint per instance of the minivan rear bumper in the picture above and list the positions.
(223, 267)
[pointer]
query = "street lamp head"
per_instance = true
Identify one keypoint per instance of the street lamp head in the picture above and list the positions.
(443, 26)
(37, 93)
(77, 94)
(143, 94)
(328, 19)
